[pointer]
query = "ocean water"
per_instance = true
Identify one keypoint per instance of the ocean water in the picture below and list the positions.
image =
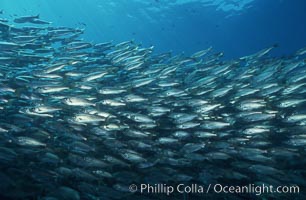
(152, 99)
(235, 27)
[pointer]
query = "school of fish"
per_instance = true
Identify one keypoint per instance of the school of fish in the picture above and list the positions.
(83, 120)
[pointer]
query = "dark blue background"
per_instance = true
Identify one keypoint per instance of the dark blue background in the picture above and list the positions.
(178, 28)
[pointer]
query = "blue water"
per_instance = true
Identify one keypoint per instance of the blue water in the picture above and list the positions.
(235, 27)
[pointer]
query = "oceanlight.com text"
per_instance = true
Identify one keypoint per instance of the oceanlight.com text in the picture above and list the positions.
(213, 188)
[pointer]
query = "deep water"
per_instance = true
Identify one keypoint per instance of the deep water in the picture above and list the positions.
(246, 136)
(235, 27)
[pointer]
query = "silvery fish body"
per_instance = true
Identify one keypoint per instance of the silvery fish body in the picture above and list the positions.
(81, 120)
